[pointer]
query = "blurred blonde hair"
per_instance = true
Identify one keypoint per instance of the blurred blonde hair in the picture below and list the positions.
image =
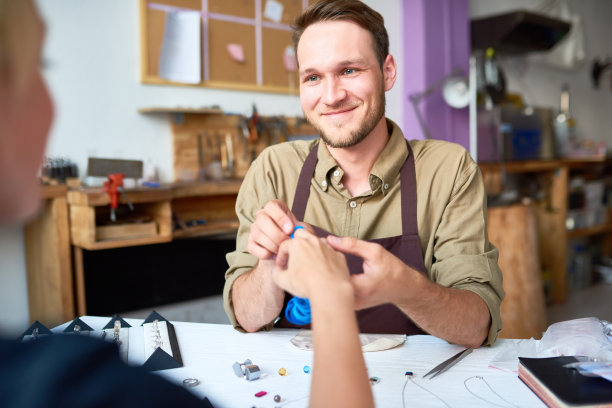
(18, 49)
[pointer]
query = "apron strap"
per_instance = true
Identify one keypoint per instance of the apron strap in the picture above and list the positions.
(302, 191)
(409, 195)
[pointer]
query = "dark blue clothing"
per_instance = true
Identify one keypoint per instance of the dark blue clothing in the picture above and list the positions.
(72, 371)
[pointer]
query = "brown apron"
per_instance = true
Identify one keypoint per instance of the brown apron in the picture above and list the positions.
(386, 318)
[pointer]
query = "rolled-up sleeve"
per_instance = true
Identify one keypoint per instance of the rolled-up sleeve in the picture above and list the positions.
(251, 198)
(263, 182)
(464, 257)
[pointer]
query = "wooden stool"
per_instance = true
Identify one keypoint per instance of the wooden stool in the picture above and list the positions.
(512, 229)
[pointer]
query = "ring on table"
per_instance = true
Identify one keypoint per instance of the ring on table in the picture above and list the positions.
(191, 382)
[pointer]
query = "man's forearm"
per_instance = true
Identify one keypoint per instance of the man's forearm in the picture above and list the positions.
(458, 316)
(256, 298)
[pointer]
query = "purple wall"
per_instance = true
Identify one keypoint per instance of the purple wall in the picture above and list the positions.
(436, 40)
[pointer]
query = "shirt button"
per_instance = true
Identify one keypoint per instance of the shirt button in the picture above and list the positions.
(353, 204)
(324, 183)
(336, 173)
(386, 186)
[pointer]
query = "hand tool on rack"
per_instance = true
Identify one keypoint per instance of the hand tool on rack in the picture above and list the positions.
(244, 128)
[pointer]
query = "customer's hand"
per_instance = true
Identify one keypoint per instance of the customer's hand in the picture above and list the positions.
(308, 267)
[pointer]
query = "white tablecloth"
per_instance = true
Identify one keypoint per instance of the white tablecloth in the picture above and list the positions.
(209, 350)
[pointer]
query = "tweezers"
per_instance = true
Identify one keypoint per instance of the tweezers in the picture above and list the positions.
(446, 364)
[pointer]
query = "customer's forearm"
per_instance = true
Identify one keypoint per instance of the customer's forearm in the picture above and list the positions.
(256, 298)
(340, 377)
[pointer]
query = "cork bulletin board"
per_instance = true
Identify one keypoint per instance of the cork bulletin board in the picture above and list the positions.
(260, 30)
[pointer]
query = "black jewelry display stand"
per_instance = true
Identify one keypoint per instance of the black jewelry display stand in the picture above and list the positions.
(42, 330)
(160, 360)
(83, 327)
(111, 323)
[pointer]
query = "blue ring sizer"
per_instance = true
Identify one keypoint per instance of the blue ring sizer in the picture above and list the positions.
(298, 309)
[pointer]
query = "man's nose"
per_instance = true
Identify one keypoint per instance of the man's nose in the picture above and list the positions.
(333, 92)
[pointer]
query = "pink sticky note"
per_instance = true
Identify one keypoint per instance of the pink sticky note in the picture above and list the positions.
(236, 52)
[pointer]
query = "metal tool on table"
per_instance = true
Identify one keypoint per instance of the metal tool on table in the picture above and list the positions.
(115, 170)
(113, 186)
(446, 364)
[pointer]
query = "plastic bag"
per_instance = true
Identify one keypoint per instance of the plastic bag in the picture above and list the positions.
(578, 337)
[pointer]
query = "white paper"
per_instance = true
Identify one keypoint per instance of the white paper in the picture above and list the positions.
(369, 342)
(180, 59)
(273, 11)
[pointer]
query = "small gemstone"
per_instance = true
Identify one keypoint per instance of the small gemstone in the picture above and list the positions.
(306, 369)
(282, 371)
(260, 394)
(277, 398)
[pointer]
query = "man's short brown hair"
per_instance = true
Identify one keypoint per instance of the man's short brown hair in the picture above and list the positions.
(346, 10)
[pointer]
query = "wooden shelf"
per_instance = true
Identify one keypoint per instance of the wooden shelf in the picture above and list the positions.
(121, 243)
(587, 232)
(528, 166)
(533, 166)
(49, 192)
(96, 196)
(212, 228)
(206, 111)
(204, 189)
(210, 201)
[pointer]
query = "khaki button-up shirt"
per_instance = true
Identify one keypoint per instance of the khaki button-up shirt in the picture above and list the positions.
(451, 210)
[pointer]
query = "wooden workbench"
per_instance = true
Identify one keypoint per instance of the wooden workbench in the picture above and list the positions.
(48, 265)
(69, 223)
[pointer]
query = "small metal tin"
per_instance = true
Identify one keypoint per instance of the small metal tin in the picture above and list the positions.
(252, 372)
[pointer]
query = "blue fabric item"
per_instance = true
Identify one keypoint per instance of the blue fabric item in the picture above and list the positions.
(298, 309)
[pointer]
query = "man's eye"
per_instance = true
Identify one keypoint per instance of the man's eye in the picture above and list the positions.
(311, 78)
(349, 71)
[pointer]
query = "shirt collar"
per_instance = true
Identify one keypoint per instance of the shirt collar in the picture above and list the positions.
(386, 168)
(391, 159)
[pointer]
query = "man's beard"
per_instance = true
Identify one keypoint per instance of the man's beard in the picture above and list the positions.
(366, 126)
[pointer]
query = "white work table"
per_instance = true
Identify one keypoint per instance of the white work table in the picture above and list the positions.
(209, 350)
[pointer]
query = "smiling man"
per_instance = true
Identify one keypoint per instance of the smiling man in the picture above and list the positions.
(411, 214)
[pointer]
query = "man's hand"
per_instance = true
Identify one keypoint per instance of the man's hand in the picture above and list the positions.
(256, 298)
(273, 225)
(458, 316)
(378, 283)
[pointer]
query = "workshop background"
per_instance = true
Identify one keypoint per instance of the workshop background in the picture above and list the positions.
(92, 65)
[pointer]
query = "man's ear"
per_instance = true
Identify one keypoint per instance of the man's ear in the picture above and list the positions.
(389, 70)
